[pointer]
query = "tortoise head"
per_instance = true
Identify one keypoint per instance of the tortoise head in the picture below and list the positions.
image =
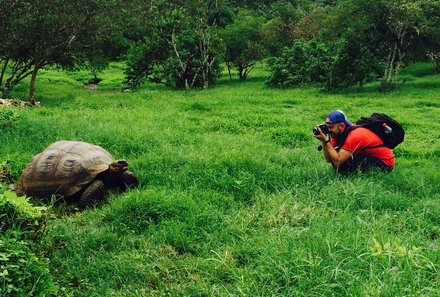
(119, 166)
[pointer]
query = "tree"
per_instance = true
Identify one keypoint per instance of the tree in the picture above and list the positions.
(430, 36)
(401, 21)
(51, 32)
(380, 32)
(278, 31)
(181, 49)
(243, 44)
(13, 52)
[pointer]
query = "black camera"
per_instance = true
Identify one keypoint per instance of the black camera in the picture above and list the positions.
(323, 128)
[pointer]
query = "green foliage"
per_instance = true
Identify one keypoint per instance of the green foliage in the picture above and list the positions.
(9, 119)
(352, 63)
(223, 17)
(146, 61)
(18, 214)
(379, 39)
(343, 57)
(361, 47)
(304, 63)
(22, 272)
(278, 31)
(68, 33)
(181, 49)
(243, 44)
(431, 35)
(311, 23)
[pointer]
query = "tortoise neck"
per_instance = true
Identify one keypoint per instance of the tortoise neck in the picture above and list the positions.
(111, 178)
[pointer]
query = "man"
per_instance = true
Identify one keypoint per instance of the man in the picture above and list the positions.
(350, 148)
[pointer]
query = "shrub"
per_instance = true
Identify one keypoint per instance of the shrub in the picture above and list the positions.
(353, 63)
(302, 64)
(22, 273)
(8, 119)
(346, 63)
(16, 213)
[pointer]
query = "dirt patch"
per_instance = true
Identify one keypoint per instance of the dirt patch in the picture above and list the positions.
(90, 86)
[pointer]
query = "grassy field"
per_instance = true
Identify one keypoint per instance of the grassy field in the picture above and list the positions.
(234, 199)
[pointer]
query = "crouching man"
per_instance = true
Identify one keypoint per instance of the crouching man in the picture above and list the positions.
(349, 148)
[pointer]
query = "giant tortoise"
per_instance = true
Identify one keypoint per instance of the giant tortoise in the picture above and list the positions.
(76, 170)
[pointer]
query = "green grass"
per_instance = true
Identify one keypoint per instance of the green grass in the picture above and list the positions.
(234, 197)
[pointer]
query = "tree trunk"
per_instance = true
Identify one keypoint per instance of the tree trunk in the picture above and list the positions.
(248, 69)
(392, 69)
(19, 71)
(241, 73)
(390, 65)
(228, 65)
(397, 66)
(2, 74)
(4, 92)
(32, 85)
(436, 60)
(7, 88)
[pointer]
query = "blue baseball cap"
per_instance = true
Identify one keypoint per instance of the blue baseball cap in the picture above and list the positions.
(337, 116)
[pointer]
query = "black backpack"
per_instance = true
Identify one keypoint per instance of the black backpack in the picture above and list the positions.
(390, 131)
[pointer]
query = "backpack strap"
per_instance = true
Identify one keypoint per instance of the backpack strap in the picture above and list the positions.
(341, 140)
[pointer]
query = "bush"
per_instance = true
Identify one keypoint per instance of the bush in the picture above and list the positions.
(8, 119)
(352, 63)
(22, 273)
(346, 63)
(17, 214)
(305, 63)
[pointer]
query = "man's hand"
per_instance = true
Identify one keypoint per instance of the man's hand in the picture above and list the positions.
(321, 136)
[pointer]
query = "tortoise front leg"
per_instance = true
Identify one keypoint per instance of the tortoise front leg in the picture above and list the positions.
(129, 180)
(94, 192)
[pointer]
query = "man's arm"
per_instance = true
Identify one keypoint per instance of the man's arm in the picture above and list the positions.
(326, 152)
(330, 154)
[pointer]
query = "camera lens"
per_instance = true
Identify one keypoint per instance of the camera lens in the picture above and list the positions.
(324, 129)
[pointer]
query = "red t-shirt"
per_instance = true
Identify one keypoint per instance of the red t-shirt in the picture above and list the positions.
(361, 138)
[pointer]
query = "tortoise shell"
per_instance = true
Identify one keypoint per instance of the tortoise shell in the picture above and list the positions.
(63, 168)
